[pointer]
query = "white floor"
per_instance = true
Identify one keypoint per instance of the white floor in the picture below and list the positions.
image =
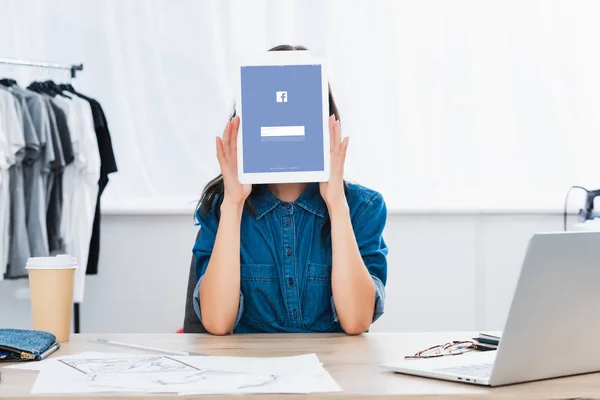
(446, 272)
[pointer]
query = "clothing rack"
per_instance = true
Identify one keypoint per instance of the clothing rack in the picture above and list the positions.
(40, 64)
(68, 67)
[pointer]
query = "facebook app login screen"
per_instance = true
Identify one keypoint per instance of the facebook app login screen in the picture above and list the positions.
(282, 118)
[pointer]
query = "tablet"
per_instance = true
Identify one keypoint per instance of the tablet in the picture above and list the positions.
(283, 103)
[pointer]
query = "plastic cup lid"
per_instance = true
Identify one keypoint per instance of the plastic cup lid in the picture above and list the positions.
(62, 261)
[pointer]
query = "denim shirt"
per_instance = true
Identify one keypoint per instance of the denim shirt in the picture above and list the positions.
(285, 259)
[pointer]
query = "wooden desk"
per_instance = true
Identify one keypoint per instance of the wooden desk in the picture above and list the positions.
(354, 362)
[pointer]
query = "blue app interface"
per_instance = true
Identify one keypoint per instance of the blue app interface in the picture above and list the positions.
(282, 118)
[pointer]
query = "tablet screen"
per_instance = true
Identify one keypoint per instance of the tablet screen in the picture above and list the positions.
(282, 118)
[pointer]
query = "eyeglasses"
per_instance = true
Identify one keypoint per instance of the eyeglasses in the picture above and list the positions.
(449, 349)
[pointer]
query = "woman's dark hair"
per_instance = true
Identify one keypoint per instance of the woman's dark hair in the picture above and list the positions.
(212, 196)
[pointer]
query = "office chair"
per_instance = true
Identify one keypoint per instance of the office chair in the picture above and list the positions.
(191, 322)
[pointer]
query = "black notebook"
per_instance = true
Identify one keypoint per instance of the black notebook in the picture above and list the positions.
(487, 338)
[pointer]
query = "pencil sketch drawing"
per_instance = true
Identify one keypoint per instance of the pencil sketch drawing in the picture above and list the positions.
(159, 373)
(251, 380)
(102, 366)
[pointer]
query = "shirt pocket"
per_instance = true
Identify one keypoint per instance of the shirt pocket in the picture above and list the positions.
(260, 287)
(317, 311)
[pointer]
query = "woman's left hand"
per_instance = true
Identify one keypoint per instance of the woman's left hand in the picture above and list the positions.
(333, 191)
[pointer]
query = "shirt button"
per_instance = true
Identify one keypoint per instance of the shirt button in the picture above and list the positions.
(288, 251)
(291, 282)
(288, 222)
(287, 205)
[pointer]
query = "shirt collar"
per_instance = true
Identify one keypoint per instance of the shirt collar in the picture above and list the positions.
(310, 200)
(264, 201)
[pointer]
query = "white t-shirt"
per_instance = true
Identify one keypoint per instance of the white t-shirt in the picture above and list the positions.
(12, 141)
(4, 197)
(80, 186)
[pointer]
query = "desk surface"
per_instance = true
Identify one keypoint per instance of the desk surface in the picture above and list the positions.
(354, 362)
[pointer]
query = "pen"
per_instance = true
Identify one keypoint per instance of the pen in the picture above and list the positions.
(138, 346)
(50, 350)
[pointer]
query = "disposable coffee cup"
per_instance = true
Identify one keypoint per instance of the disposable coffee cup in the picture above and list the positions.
(51, 281)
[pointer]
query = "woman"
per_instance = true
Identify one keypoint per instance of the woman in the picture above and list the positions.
(297, 257)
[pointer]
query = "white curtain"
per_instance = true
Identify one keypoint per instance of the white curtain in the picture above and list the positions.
(450, 105)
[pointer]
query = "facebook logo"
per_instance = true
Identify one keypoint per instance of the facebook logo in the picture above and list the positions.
(281, 97)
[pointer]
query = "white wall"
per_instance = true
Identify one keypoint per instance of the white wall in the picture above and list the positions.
(446, 272)
(453, 88)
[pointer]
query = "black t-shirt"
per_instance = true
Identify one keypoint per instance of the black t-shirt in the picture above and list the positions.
(108, 165)
(65, 135)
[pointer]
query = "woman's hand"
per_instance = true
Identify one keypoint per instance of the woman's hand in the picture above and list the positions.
(235, 192)
(333, 191)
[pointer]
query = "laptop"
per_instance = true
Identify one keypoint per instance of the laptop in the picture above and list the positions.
(553, 326)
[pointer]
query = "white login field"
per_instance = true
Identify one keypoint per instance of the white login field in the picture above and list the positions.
(281, 131)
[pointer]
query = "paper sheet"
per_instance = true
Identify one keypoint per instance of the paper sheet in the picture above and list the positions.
(475, 357)
(175, 382)
(108, 372)
(52, 364)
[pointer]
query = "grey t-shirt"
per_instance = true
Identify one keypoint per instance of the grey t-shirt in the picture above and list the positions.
(19, 250)
(36, 168)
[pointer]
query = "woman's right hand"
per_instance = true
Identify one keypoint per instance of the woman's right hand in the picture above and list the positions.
(235, 193)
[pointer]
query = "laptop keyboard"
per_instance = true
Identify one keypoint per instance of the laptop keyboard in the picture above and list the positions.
(483, 370)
